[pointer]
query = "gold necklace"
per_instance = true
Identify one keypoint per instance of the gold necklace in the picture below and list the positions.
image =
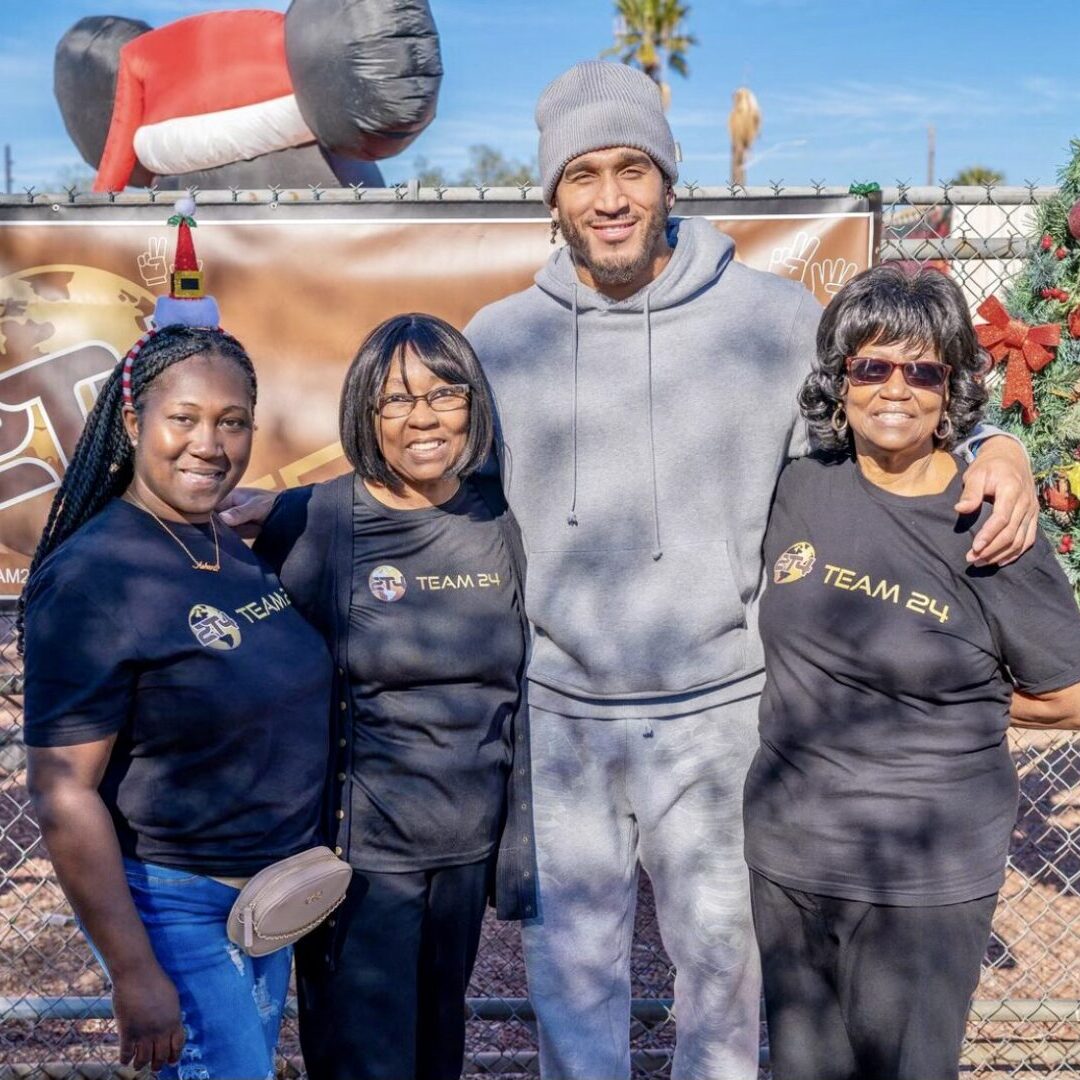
(196, 564)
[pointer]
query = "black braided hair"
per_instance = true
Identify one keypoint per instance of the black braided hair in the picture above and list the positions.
(102, 465)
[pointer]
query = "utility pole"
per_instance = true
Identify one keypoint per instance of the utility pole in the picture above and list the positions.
(7, 168)
(930, 151)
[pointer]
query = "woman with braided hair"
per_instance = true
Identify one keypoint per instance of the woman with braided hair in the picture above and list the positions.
(176, 707)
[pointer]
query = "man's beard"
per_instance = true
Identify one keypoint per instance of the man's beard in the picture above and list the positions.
(616, 269)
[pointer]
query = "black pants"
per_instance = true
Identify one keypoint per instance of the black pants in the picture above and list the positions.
(859, 991)
(382, 991)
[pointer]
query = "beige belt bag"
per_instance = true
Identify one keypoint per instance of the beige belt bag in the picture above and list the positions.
(287, 900)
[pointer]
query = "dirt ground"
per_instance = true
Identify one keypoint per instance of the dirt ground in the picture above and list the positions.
(1033, 954)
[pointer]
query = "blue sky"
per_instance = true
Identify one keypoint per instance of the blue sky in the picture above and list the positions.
(847, 90)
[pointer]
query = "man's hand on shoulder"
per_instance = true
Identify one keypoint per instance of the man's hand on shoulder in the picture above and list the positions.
(1001, 474)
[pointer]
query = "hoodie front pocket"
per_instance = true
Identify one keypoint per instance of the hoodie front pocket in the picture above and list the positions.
(614, 622)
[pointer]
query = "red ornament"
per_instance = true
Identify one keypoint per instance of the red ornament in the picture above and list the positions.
(1047, 242)
(1066, 544)
(1024, 349)
(1074, 220)
(1074, 322)
(1061, 253)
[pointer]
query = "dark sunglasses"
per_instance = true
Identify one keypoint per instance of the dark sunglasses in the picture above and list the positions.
(874, 370)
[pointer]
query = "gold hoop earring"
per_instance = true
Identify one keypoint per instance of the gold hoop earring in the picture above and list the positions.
(839, 421)
(946, 422)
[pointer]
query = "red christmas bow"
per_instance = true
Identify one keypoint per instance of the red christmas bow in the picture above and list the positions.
(1063, 501)
(1025, 349)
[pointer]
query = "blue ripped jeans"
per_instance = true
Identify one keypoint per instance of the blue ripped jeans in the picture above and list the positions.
(231, 1003)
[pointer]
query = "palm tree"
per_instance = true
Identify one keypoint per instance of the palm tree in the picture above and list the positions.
(978, 176)
(649, 34)
(744, 123)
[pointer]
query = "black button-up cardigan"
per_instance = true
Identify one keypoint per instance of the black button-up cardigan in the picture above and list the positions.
(308, 539)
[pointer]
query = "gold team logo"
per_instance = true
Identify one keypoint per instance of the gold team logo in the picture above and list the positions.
(212, 628)
(795, 563)
(386, 583)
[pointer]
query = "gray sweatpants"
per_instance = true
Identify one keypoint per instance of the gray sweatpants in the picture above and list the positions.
(610, 796)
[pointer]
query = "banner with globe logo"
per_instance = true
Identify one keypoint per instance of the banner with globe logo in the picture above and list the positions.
(300, 285)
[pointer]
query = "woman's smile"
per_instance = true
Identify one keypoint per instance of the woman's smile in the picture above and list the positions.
(426, 449)
(202, 478)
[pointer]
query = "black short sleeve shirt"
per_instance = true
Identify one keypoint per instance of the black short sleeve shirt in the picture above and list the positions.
(216, 689)
(436, 650)
(884, 772)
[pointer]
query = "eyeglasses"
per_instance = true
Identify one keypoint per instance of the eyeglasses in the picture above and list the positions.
(441, 399)
(874, 370)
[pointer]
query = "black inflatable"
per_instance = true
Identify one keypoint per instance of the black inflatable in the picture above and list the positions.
(367, 74)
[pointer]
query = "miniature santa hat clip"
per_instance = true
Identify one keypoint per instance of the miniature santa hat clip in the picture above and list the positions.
(187, 304)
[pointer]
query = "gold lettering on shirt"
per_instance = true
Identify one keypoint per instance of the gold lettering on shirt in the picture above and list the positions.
(836, 575)
(887, 592)
(926, 605)
(840, 577)
(435, 582)
(265, 606)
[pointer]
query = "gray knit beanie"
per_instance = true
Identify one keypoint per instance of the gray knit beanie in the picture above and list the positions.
(595, 105)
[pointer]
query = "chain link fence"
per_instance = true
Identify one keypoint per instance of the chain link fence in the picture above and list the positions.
(54, 1005)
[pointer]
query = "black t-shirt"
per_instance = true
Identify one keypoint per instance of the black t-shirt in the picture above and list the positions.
(218, 691)
(435, 653)
(884, 773)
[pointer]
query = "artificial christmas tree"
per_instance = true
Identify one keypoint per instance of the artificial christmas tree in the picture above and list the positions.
(1033, 336)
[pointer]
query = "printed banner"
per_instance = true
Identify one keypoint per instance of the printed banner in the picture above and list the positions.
(300, 287)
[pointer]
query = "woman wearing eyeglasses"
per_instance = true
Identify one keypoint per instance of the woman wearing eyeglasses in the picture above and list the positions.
(880, 803)
(411, 569)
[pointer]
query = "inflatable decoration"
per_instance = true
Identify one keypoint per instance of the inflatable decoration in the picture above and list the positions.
(250, 99)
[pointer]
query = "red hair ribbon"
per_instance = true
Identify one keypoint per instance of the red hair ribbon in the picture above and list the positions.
(129, 363)
(1024, 349)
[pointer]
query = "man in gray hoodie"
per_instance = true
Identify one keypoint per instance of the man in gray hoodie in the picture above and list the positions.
(646, 394)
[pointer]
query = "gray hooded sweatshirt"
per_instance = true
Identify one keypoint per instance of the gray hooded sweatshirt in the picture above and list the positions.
(640, 442)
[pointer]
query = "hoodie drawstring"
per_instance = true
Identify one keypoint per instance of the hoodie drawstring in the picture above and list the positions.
(572, 519)
(658, 551)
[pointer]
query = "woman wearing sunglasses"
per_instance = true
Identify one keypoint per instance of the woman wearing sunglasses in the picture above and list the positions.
(411, 568)
(880, 803)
